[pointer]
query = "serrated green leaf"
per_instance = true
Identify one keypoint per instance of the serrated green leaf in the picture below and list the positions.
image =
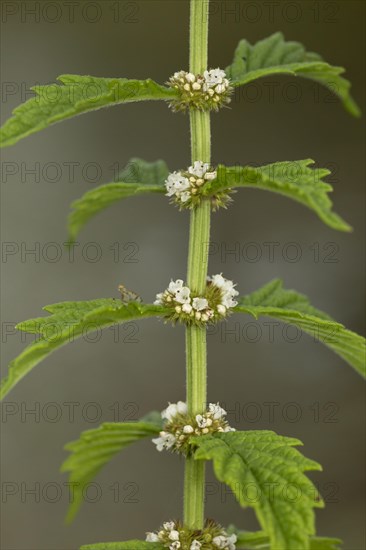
(69, 321)
(260, 541)
(289, 306)
(136, 178)
(97, 447)
(128, 545)
(292, 179)
(76, 95)
(265, 472)
(274, 55)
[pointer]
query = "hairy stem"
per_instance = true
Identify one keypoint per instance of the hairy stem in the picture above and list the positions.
(196, 354)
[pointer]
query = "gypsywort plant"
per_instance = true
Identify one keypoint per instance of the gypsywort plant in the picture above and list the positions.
(247, 461)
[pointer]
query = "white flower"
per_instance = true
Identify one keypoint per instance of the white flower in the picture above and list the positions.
(188, 429)
(195, 545)
(214, 77)
(218, 280)
(169, 525)
(211, 175)
(182, 184)
(159, 299)
(165, 441)
(175, 285)
(221, 309)
(216, 411)
(232, 540)
(182, 407)
(190, 77)
(175, 546)
(225, 542)
(220, 541)
(199, 168)
(174, 535)
(173, 409)
(176, 183)
(182, 295)
(152, 537)
(185, 196)
(199, 304)
(187, 308)
(227, 288)
(203, 422)
(220, 88)
(228, 302)
(170, 412)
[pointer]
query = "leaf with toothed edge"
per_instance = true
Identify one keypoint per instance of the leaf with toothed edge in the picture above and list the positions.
(76, 95)
(265, 472)
(296, 180)
(260, 541)
(95, 448)
(67, 322)
(138, 177)
(272, 300)
(273, 55)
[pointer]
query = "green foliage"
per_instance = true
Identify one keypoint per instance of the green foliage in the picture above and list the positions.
(76, 95)
(69, 321)
(128, 545)
(263, 470)
(97, 447)
(266, 473)
(272, 300)
(293, 179)
(259, 540)
(136, 178)
(275, 56)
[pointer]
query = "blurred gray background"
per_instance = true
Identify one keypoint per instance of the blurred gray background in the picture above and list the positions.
(299, 389)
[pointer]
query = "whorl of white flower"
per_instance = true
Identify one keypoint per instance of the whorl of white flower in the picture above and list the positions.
(179, 426)
(208, 91)
(175, 536)
(219, 298)
(185, 186)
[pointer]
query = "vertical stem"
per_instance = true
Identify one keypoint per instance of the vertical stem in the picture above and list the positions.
(196, 354)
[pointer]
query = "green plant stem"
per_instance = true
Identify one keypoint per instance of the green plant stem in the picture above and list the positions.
(196, 349)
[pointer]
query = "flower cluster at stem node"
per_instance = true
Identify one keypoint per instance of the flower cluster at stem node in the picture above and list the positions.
(186, 188)
(189, 307)
(207, 92)
(175, 536)
(180, 426)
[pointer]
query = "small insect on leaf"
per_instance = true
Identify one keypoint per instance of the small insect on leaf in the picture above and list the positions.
(128, 295)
